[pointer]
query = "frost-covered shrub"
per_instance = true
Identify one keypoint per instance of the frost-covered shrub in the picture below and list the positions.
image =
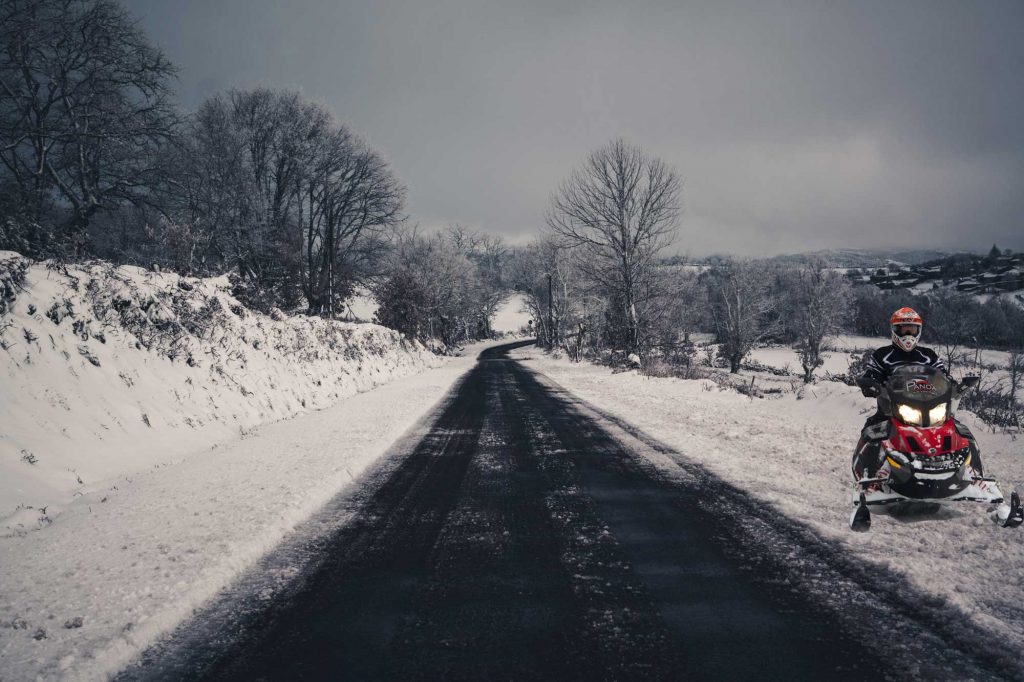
(993, 405)
(12, 280)
(164, 321)
(60, 309)
(755, 366)
(198, 320)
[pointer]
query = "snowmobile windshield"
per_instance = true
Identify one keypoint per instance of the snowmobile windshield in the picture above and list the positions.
(916, 385)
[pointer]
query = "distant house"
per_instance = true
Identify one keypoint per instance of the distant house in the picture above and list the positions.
(967, 285)
(966, 273)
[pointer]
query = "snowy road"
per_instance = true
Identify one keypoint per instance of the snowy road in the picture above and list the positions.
(523, 538)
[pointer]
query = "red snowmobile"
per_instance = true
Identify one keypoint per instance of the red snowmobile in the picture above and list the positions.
(926, 455)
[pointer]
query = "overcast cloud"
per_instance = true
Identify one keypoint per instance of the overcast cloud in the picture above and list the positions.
(796, 125)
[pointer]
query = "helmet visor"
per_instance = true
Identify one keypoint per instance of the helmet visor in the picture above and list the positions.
(906, 329)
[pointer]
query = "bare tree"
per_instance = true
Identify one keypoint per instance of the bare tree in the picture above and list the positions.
(951, 323)
(286, 196)
(463, 238)
(351, 196)
(488, 253)
(619, 210)
(742, 307)
(547, 275)
(679, 313)
(86, 105)
(818, 304)
(431, 290)
(1015, 368)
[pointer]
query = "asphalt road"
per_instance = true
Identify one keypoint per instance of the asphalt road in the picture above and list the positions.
(523, 538)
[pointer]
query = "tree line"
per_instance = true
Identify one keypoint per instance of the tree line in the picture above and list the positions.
(597, 284)
(96, 160)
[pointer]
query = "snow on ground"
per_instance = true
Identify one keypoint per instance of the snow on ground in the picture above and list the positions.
(146, 451)
(786, 358)
(130, 560)
(362, 306)
(987, 363)
(105, 371)
(511, 315)
(794, 453)
(837, 357)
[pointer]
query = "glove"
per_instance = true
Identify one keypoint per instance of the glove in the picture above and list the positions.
(870, 389)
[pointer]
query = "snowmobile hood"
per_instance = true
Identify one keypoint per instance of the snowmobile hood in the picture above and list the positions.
(919, 386)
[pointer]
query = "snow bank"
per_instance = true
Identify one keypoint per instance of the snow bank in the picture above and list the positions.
(794, 452)
(145, 455)
(126, 563)
(107, 371)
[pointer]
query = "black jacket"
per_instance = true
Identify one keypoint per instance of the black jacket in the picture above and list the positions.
(885, 360)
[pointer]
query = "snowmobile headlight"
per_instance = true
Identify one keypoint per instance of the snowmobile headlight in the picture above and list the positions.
(937, 414)
(910, 415)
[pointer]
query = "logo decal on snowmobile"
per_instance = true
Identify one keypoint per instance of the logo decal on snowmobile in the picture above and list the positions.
(920, 386)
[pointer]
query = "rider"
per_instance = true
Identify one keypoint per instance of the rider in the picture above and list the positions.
(906, 326)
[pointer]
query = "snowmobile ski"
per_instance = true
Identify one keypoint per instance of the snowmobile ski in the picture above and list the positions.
(1010, 515)
(860, 520)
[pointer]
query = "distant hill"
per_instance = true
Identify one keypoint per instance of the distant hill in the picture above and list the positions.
(999, 273)
(866, 258)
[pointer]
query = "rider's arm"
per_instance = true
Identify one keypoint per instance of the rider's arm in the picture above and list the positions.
(873, 377)
(937, 362)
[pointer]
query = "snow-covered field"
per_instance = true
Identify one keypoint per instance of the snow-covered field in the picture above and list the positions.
(361, 307)
(989, 364)
(793, 452)
(511, 315)
(837, 359)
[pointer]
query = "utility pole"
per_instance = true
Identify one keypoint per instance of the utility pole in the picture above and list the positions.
(551, 316)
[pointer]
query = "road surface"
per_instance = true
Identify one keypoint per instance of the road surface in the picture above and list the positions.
(523, 538)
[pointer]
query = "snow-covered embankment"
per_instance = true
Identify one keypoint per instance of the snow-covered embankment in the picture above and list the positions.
(145, 458)
(111, 370)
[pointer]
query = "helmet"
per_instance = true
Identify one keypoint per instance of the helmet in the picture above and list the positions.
(906, 327)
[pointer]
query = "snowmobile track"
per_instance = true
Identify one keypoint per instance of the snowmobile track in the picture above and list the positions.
(524, 538)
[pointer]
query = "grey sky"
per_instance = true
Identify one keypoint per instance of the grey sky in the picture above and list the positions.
(796, 125)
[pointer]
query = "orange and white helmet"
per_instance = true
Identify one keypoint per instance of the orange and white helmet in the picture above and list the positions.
(906, 327)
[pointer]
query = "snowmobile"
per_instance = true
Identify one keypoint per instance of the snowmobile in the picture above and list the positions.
(925, 454)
